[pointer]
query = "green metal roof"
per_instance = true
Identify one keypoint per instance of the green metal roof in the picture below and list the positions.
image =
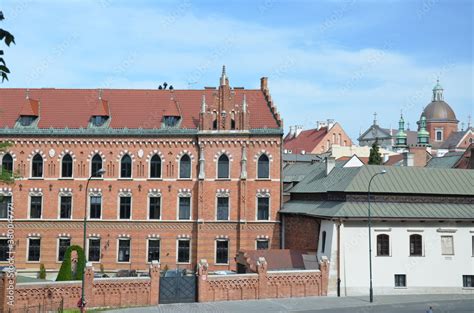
(297, 171)
(445, 161)
(381, 210)
(400, 180)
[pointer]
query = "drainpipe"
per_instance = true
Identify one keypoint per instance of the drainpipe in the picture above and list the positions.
(338, 258)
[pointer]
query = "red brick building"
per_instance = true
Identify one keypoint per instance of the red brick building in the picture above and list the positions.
(189, 175)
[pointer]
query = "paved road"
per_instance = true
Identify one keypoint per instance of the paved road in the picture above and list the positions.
(382, 304)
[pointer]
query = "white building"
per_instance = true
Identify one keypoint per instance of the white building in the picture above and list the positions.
(422, 228)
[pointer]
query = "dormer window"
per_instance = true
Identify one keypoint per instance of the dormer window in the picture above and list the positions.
(27, 120)
(170, 121)
(98, 120)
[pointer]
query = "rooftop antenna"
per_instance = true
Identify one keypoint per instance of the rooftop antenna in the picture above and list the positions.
(469, 121)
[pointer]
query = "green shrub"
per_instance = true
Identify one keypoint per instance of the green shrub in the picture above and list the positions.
(42, 273)
(65, 272)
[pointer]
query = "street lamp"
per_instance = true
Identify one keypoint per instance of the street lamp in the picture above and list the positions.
(99, 173)
(371, 292)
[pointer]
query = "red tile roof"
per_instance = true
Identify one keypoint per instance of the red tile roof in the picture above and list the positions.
(307, 140)
(30, 108)
(101, 108)
(129, 108)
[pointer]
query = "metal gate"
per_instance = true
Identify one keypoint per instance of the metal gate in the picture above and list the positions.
(179, 289)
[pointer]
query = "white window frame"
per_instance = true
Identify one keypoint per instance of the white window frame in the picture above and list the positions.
(389, 244)
(191, 167)
(28, 249)
(61, 167)
(452, 245)
(217, 167)
(120, 167)
(118, 208)
(100, 248)
(161, 208)
(269, 167)
(216, 207)
(90, 204)
(422, 245)
(129, 252)
(29, 206)
(269, 208)
(190, 208)
(59, 206)
(161, 167)
(177, 250)
(262, 240)
(148, 248)
(215, 251)
(31, 167)
(57, 244)
(102, 167)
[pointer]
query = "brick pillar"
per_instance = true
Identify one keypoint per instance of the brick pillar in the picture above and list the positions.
(155, 283)
(7, 291)
(203, 290)
(88, 285)
(324, 268)
(262, 278)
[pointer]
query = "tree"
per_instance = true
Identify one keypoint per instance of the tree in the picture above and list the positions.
(8, 38)
(42, 273)
(375, 158)
(65, 272)
(7, 177)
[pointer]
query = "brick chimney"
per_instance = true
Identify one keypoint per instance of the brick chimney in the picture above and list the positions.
(264, 83)
(408, 159)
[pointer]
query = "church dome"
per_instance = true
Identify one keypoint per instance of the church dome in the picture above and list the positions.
(437, 109)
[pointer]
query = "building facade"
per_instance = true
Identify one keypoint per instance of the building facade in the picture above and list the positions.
(422, 234)
(188, 175)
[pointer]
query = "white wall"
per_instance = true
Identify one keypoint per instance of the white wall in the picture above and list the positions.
(430, 273)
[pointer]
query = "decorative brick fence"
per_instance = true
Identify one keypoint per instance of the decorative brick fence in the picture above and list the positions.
(102, 292)
(263, 284)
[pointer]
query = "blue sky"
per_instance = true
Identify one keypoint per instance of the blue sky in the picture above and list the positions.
(324, 59)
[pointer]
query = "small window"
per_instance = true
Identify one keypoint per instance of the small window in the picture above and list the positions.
(222, 252)
(262, 244)
(223, 167)
(27, 120)
(124, 250)
(35, 206)
(468, 281)
(125, 208)
(400, 280)
(96, 166)
(416, 245)
(447, 245)
(439, 135)
(94, 249)
(34, 249)
(65, 207)
(98, 120)
(155, 208)
(383, 245)
(171, 121)
(323, 242)
(185, 167)
(5, 202)
(263, 167)
(37, 166)
(66, 166)
(153, 250)
(4, 250)
(222, 208)
(155, 167)
(95, 207)
(64, 243)
(183, 250)
(7, 165)
(263, 208)
(126, 167)
(184, 208)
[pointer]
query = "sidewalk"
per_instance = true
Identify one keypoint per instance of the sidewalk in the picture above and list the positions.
(392, 303)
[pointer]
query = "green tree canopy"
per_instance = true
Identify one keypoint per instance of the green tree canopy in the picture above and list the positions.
(65, 272)
(375, 158)
(8, 38)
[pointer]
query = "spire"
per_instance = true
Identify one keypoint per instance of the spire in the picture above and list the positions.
(401, 137)
(223, 80)
(244, 104)
(375, 118)
(437, 92)
(423, 134)
(203, 104)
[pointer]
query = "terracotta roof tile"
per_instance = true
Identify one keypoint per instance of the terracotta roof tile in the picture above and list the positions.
(30, 108)
(307, 140)
(131, 108)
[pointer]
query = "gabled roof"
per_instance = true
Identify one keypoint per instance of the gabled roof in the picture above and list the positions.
(454, 139)
(128, 108)
(379, 210)
(446, 161)
(399, 180)
(101, 108)
(306, 141)
(30, 108)
(172, 108)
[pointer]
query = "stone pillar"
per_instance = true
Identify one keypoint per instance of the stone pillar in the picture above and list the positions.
(324, 268)
(262, 278)
(203, 290)
(155, 282)
(88, 285)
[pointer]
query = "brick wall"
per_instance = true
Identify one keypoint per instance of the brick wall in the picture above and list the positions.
(263, 284)
(301, 232)
(104, 292)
